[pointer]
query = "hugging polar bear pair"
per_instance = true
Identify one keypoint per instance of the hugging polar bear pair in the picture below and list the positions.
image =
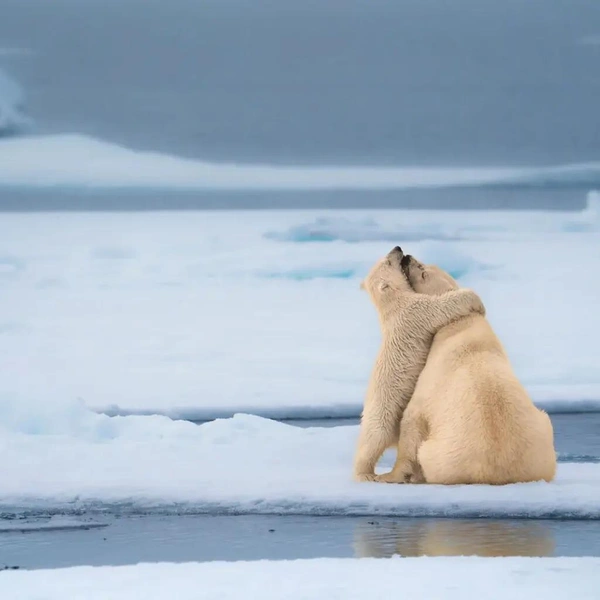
(469, 420)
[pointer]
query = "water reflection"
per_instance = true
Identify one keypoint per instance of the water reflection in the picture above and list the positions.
(453, 538)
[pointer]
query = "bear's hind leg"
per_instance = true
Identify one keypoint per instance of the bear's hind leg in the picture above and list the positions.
(440, 466)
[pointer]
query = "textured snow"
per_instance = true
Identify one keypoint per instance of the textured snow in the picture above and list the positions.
(347, 579)
(198, 315)
(70, 459)
(73, 160)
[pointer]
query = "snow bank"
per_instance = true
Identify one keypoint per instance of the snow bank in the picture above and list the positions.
(244, 465)
(417, 578)
(197, 315)
(12, 118)
(80, 161)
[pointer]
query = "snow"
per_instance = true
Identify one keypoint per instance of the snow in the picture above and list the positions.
(71, 459)
(208, 314)
(12, 119)
(74, 160)
(416, 578)
(204, 314)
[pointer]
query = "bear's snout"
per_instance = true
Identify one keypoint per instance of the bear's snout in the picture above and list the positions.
(405, 262)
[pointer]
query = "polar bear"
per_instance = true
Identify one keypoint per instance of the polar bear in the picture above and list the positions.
(470, 420)
(408, 323)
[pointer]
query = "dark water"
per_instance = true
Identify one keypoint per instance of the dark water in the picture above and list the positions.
(312, 81)
(474, 82)
(206, 538)
(576, 435)
(19, 200)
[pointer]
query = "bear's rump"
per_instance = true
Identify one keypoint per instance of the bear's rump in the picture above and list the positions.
(519, 456)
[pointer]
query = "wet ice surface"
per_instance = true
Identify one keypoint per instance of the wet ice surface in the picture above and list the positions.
(208, 538)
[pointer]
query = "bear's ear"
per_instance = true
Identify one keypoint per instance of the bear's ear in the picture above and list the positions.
(424, 275)
(362, 285)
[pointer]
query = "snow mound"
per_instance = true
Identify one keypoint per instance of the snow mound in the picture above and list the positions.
(81, 460)
(12, 118)
(450, 578)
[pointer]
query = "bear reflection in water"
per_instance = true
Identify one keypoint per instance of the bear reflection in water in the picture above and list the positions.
(452, 537)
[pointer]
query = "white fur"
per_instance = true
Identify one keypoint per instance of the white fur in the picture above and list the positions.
(408, 323)
(470, 420)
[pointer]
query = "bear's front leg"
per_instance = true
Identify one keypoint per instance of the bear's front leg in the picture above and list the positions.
(403, 472)
(372, 443)
(377, 434)
(413, 432)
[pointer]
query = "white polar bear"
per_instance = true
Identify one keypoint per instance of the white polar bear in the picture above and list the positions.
(470, 420)
(408, 323)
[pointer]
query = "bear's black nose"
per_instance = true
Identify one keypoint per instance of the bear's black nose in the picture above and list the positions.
(397, 249)
(405, 260)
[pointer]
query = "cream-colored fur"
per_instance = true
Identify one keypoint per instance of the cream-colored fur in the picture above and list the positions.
(408, 322)
(470, 420)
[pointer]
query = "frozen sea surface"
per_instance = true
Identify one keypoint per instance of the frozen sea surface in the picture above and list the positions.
(204, 314)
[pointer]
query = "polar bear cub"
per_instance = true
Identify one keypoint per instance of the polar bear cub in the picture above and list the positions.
(408, 323)
(470, 420)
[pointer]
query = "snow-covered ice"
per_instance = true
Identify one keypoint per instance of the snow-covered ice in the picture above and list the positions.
(74, 160)
(415, 578)
(204, 314)
(207, 314)
(72, 459)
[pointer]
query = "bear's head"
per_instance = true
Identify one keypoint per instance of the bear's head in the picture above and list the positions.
(427, 279)
(386, 279)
